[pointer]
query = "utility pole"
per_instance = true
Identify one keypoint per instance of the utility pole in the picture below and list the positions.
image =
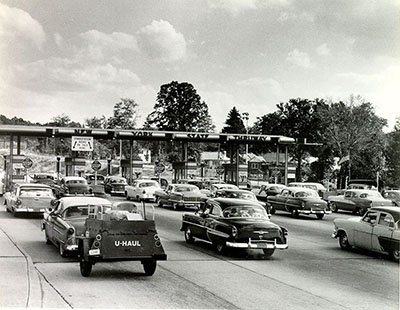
(246, 117)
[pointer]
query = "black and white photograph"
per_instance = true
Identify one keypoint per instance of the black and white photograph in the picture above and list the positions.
(200, 154)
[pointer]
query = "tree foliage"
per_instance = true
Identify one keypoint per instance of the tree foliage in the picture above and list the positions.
(124, 114)
(179, 108)
(234, 122)
(392, 156)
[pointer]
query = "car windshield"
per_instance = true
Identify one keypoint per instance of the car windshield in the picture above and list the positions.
(372, 194)
(80, 211)
(306, 194)
(181, 189)
(123, 181)
(248, 196)
(34, 192)
(147, 184)
(72, 182)
(245, 211)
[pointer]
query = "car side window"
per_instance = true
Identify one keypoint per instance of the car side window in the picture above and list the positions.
(216, 210)
(370, 217)
(386, 220)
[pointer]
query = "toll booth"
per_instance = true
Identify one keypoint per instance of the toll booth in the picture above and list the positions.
(74, 165)
(236, 174)
(132, 171)
(184, 170)
(14, 171)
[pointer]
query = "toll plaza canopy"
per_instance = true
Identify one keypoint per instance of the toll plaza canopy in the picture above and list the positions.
(145, 135)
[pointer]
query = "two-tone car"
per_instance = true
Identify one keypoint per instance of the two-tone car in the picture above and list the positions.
(234, 223)
(66, 220)
(357, 201)
(299, 200)
(28, 198)
(142, 190)
(240, 194)
(115, 185)
(180, 196)
(392, 195)
(378, 230)
(72, 185)
(264, 189)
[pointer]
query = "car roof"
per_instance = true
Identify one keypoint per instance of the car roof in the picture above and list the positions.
(300, 189)
(86, 200)
(74, 178)
(394, 211)
(318, 185)
(21, 185)
(184, 185)
(228, 202)
(358, 190)
(232, 190)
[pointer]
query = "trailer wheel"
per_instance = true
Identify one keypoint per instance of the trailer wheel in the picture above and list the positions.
(86, 268)
(149, 266)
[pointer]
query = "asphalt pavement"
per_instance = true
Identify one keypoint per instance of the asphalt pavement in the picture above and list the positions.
(21, 284)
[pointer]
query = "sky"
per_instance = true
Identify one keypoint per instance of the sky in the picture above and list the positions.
(79, 58)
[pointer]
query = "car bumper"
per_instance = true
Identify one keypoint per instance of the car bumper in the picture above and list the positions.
(72, 247)
(187, 203)
(29, 210)
(257, 244)
(302, 211)
(119, 192)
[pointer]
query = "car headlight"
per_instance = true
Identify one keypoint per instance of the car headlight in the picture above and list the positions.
(234, 231)
(303, 204)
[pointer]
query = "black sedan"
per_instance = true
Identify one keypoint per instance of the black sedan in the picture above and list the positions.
(234, 223)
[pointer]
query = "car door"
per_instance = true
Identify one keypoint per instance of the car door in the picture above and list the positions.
(278, 202)
(211, 224)
(49, 221)
(199, 222)
(363, 230)
(347, 202)
(382, 235)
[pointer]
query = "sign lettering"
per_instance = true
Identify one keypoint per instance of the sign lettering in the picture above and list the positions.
(127, 243)
(197, 135)
(83, 131)
(81, 143)
(142, 134)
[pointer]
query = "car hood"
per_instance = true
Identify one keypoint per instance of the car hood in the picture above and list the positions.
(189, 194)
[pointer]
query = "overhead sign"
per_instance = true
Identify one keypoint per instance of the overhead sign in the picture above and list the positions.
(159, 168)
(27, 162)
(96, 165)
(82, 143)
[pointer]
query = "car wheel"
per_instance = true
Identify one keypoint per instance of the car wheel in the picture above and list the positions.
(127, 196)
(333, 207)
(344, 241)
(272, 210)
(175, 206)
(62, 251)
(86, 268)
(159, 202)
(188, 235)
(268, 252)
(149, 267)
(395, 255)
(320, 216)
(295, 213)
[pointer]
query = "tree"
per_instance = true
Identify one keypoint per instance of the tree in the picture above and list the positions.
(96, 122)
(124, 114)
(179, 108)
(234, 122)
(352, 128)
(392, 156)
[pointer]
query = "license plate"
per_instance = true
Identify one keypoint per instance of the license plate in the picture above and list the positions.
(94, 252)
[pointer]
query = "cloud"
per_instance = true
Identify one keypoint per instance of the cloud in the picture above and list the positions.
(298, 58)
(323, 50)
(113, 41)
(17, 25)
(162, 42)
(268, 85)
(237, 6)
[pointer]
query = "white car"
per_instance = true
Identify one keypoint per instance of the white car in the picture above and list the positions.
(142, 190)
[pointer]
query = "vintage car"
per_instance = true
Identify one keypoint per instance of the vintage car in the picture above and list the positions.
(125, 233)
(321, 190)
(91, 179)
(299, 200)
(393, 195)
(234, 223)
(264, 189)
(115, 185)
(28, 198)
(44, 178)
(219, 186)
(2, 187)
(201, 184)
(357, 200)
(142, 190)
(179, 196)
(67, 220)
(239, 194)
(378, 230)
(72, 185)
